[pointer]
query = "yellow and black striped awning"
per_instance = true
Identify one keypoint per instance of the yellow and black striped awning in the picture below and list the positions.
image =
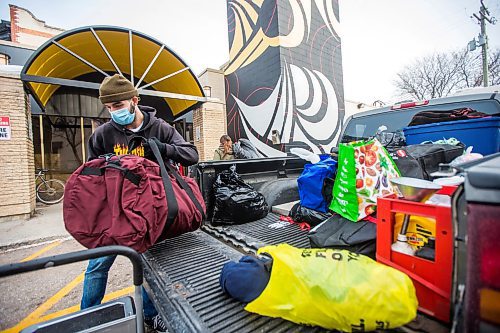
(82, 57)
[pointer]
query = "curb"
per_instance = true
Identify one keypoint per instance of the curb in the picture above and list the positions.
(32, 242)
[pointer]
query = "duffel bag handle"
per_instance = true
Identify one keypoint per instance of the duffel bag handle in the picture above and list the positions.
(173, 206)
(182, 183)
(187, 189)
(167, 184)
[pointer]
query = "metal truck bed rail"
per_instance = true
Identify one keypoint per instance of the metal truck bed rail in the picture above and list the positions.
(251, 236)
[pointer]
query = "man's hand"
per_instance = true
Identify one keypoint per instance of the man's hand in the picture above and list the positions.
(228, 147)
(136, 142)
(165, 149)
(162, 147)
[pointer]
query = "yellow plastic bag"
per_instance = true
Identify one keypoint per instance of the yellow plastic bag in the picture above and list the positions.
(335, 289)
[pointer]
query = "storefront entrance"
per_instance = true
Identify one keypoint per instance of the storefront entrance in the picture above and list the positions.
(58, 141)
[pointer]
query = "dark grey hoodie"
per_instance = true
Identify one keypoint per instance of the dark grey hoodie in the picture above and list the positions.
(114, 138)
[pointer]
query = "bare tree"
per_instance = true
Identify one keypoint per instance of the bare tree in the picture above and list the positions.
(494, 67)
(440, 74)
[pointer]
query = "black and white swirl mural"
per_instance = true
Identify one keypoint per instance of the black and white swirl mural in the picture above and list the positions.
(285, 74)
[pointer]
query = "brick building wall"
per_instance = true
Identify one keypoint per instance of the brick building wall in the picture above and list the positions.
(27, 29)
(210, 121)
(17, 164)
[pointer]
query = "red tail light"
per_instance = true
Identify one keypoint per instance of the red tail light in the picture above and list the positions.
(408, 105)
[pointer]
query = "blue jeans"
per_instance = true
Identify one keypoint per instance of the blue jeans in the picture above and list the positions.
(94, 285)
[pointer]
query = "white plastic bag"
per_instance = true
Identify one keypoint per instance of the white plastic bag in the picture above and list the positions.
(466, 157)
(305, 155)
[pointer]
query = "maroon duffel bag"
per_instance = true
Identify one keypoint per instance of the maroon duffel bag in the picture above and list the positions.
(131, 201)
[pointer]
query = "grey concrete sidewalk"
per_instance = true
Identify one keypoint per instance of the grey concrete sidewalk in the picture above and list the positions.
(45, 225)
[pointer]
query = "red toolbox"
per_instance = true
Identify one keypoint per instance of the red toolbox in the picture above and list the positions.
(432, 279)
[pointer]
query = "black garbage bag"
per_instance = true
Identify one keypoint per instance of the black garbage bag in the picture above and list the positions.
(342, 234)
(310, 216)
(327, 190)
(235, 201)
(244, 149)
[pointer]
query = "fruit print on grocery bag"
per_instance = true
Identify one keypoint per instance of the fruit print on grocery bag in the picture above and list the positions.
(364, 172)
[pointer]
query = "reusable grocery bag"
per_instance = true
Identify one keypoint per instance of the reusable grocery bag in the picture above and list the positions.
(334, 289)
(364, 173)
(310, 184)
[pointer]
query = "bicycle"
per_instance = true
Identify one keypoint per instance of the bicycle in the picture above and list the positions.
(48, 191)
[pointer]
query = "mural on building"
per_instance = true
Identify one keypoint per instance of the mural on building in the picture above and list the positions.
(284, 74)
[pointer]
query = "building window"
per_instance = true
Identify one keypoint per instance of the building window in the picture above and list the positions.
(208, 91)
(4, 59)
(62, 142)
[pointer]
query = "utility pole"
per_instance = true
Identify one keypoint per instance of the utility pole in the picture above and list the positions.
(483, 38)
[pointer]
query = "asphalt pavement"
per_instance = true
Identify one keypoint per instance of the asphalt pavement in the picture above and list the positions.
(38, 296)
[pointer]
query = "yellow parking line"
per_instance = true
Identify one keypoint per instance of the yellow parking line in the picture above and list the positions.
(42, 251)
(74, 308)
(59, 313)
(34, 316)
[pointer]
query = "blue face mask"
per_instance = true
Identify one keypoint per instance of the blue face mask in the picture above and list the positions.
(123, 116)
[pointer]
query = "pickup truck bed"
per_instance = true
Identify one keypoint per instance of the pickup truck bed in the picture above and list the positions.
(182, 273)
(182, 279)
(182, 276)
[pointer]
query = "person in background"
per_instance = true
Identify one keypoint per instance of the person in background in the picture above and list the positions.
(225, 150)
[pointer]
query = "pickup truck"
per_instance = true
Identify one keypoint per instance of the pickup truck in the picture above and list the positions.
(182, 274)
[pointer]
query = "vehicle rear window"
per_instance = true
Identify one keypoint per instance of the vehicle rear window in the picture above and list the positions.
(365, 127)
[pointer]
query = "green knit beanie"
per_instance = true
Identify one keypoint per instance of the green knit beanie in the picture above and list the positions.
(116, 88)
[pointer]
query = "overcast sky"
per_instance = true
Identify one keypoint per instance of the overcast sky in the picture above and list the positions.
(379, 37)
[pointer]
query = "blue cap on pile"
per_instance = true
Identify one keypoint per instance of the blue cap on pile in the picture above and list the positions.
(244, 280)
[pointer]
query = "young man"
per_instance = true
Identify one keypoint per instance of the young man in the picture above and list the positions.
(128, 119)
(225, 150)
